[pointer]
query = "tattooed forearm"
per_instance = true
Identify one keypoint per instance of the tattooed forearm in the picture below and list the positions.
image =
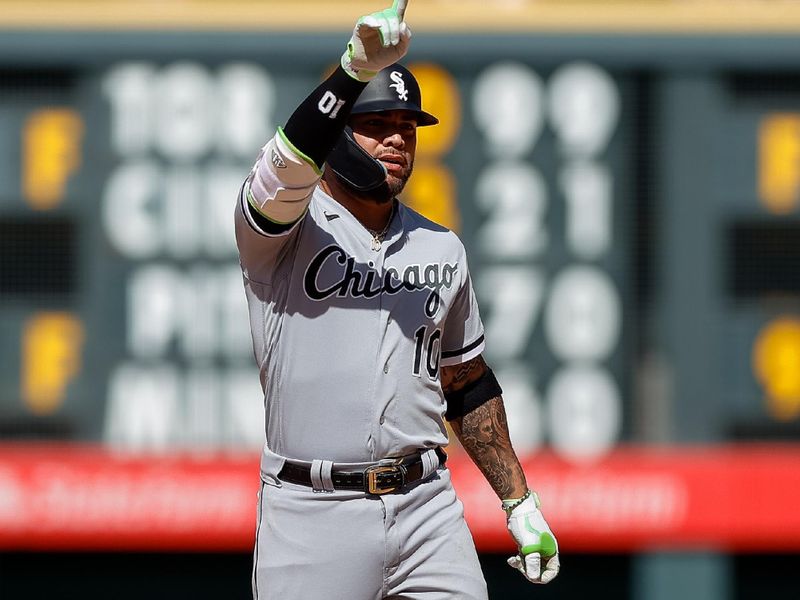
(484, 435)
(456, 377)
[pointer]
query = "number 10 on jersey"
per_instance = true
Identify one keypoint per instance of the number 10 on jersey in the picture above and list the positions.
(427, 352)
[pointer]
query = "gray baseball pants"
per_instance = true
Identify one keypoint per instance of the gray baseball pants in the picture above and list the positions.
(413, 545)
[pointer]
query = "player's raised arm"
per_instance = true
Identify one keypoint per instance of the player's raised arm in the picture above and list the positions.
(290, 165)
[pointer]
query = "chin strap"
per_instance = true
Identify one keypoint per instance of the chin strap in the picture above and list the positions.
(354, 166)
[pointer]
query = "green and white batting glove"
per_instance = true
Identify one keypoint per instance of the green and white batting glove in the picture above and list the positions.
(379, 40)
(537, 558)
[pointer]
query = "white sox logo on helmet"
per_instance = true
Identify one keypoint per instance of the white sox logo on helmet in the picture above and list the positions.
(356, 284)
(399, 85)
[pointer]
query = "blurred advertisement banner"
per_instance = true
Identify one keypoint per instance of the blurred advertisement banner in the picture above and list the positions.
(738, 498)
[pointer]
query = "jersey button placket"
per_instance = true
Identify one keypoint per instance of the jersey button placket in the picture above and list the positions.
(377, 263)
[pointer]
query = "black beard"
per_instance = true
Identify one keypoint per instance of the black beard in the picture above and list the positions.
(385, 192)
(390, 189)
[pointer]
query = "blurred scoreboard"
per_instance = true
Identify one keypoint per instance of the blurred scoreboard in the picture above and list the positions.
(619, 199)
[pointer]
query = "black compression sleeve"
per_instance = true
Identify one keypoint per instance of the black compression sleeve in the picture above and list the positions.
(317, 123)
(472, 395)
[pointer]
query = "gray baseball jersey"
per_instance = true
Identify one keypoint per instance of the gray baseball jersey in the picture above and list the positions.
(349, 335)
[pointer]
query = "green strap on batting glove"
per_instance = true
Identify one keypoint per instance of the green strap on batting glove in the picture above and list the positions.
(537, 558)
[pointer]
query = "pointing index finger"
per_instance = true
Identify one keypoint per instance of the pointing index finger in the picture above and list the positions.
(400, 8)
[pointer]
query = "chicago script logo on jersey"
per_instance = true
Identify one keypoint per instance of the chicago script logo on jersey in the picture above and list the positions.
(348, 281)
(399, 85)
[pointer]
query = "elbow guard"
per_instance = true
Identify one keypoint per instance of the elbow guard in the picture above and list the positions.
(472, 395)
(282, 181)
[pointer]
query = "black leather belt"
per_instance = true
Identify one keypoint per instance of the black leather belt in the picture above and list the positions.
(377, 479)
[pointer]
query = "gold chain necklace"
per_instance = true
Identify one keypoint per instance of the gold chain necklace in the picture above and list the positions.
(379, 236)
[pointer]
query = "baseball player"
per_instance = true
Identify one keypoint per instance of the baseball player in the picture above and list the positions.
(367, 334)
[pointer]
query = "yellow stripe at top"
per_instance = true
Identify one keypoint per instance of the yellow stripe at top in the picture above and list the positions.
(456, 16)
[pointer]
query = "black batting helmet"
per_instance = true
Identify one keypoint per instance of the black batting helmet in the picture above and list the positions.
(393, 88)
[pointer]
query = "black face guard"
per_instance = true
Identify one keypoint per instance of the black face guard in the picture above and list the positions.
(354, 166)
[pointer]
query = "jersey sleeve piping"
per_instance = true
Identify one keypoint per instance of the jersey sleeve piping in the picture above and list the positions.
(468, 352)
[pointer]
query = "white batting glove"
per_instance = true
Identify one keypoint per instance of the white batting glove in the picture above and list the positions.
(379, 40)
(537, 558)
